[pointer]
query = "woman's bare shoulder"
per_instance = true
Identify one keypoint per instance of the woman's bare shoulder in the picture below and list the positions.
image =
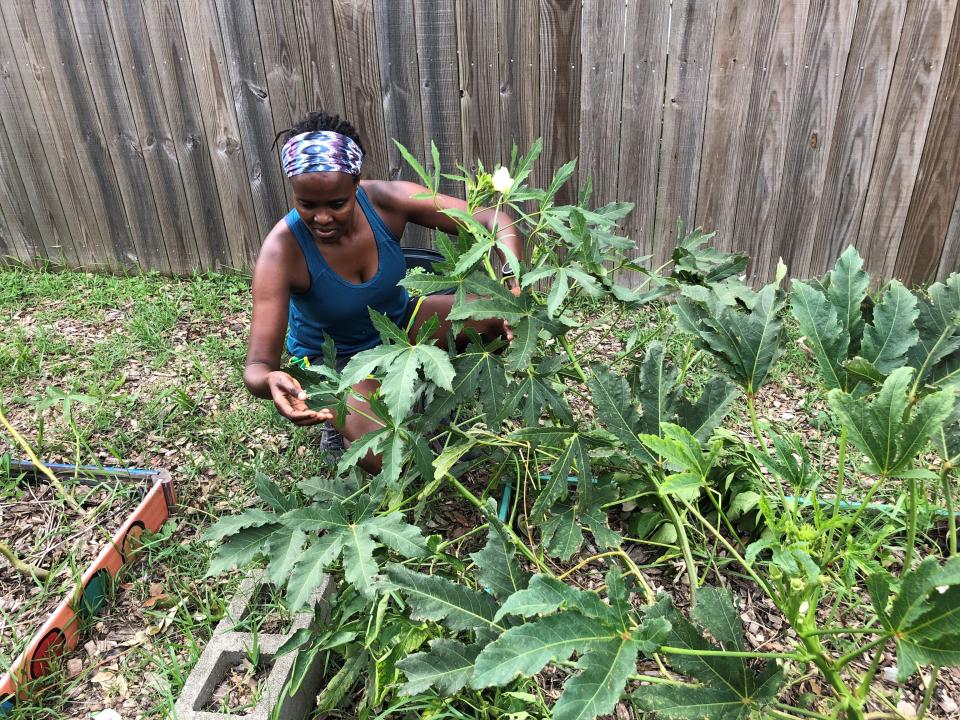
(391, 194)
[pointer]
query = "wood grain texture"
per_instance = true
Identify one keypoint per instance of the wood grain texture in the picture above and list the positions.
(479, 84)
(731, 75)
(400, 84)
(560, 86)
(685, 105)
(436, 23)
(519, 36)
(54, 238)
(916, 75)
(286, 88)
(601, 93)
(122, 245)
(248, 83)
(19, 229)
(938, 177)
(357, 40)
(866, 83)
(644, 78)
(826, 45)
(220, 127)
(155, 137)
(765, 131)
(178, 94)
(950, 257)
(154, 237)
(319, 56)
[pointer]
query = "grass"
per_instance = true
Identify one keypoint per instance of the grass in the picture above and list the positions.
(161, 360)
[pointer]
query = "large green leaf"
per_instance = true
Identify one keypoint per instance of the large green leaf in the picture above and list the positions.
(924, 617)
(242, 547)
(823, 331)
(447, 666)
(656, 389)
(702, 417)
(615, 409)
(883, 429)
(847, 289)
(887, 340)
(284, 550)
(432, 597)
(937, 352)
(534, 394)
(731, 689)
(477, 368)
(499, 570)
(231, 524)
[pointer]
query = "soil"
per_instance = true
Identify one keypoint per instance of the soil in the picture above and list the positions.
(239, 691)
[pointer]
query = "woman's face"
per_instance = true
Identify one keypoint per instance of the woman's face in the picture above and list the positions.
(325, 201)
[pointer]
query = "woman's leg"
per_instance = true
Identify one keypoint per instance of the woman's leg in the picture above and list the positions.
(440, 305)
(356, 425)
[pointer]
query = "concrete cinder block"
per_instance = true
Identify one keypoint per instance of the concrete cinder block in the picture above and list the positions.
(228, 647)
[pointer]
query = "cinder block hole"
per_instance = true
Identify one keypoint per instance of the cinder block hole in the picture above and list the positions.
(236, 685)
(266, 613)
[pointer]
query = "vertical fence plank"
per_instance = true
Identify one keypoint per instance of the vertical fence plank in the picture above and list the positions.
(50, 26)
(439, 83)
(54, 238)
(779, 28)
(906, 119)
(519, 35)
(245, 68)
(319, 57)
(644, 77)
(685, 104)
(155, 138)
(101, 68)
(950, 257)
(286, 88)
(400, 83)
(938, 177)
(222, 132)
(19, 230)
(731, 75)
(873, 50)
(178, 93)
(479, 84)
(560, 85)
(357, 40)
(601, 94)
(826, 45)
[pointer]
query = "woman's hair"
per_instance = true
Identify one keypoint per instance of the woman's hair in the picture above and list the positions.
(316, 121)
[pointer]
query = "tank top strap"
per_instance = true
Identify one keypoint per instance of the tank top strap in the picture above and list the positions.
(315, 263)
(379, 227)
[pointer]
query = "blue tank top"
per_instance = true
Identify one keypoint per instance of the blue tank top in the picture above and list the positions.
(337, 306)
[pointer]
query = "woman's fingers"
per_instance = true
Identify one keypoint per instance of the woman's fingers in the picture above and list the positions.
(290, 400)
(507, 331)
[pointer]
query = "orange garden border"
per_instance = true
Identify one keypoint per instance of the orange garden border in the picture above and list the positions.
(63, 628)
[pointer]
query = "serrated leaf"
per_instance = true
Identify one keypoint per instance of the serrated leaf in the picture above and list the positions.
(846, 292)
(431, 597)
(447, 666)
(308, 573)
(241, 548)
(360, 568)
(479, 368)
(332, 489)
(284, 550)
(561, 533)
(615, 409)
(705, 415)
(887, 340)
(824, 332)
(937, 351)
(271, 494)
(657, 389)
(863, 371)
(398, 535)
(545, 594)
(499, 570)
(715, 612)
(595, 690)
(232, 524)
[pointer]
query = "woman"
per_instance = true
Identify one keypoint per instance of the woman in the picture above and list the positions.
(333, 256)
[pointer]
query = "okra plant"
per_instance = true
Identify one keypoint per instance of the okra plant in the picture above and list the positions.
(594, 460)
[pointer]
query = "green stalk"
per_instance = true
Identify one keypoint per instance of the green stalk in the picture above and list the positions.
(911, 523)
(691, 568)
(928, 693)
(948, 499)
(754, 423)
(573, 358)
(856, 516)
(867, 680)
(730, 653)
(21, 566)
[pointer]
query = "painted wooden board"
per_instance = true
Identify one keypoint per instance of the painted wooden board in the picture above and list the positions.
(731, 75)
(906, 118)
(938, 177)
(155, 137)
(873, 50)
(560, 86)
(777, 47)
(685, 105)
(436, 23)
(479, 84)
(221, 130)
(357, 40)
(180, 99)
(601, 92)
(519, 37)
(645, 66)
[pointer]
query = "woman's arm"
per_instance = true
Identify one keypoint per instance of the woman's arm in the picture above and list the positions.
(398, 196)
(262, 374)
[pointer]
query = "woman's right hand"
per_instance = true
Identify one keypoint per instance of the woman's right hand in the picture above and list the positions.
(291, 400)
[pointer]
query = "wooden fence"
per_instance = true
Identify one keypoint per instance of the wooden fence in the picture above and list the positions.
(139, 132)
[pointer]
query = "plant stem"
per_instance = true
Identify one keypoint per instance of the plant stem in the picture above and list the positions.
(691, 568)
(928, 692)
(37, 463)
(856, 516)
(948, 499)
(573, 358)
(854, 654)
(841, 475)
(754, 423)
(911, 523)
(668, 650)
(21, 566)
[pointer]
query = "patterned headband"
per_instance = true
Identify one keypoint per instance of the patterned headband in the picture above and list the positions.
(321, 151)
